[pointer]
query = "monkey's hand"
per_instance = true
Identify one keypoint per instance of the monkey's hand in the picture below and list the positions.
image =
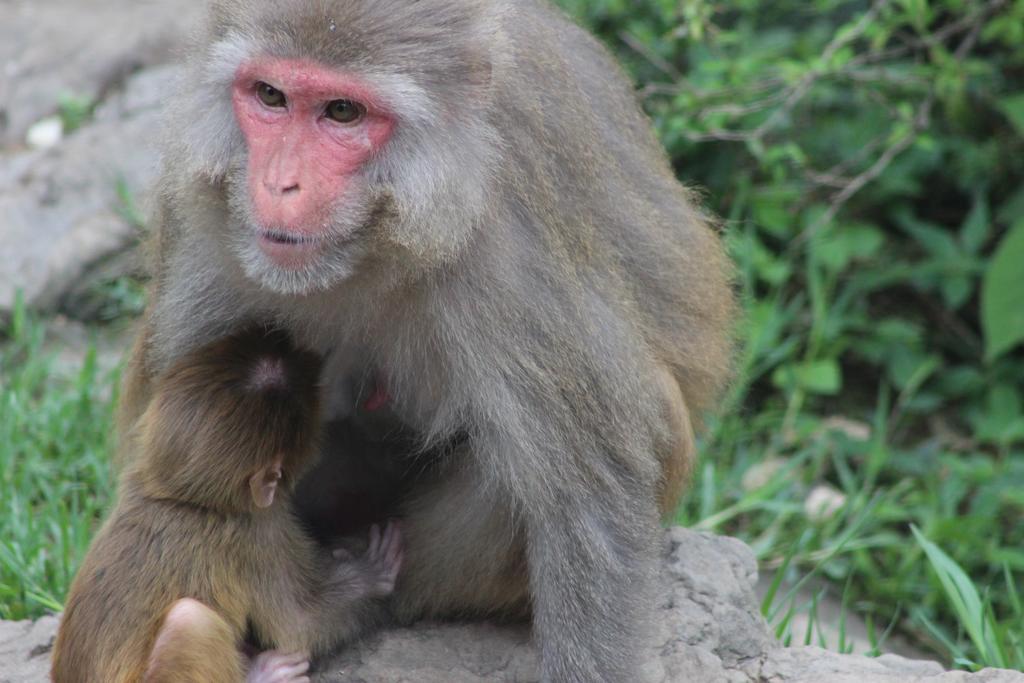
(377, 570)
(279, 667)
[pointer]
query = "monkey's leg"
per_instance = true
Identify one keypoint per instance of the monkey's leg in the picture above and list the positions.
(195, 645)
(453, 528)
(588, 583)
(464, 554)
(677, 450)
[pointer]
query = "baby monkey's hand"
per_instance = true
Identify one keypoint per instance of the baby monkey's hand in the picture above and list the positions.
(376, 571)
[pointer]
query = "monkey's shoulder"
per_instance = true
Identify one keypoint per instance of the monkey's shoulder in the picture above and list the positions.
(166, 550)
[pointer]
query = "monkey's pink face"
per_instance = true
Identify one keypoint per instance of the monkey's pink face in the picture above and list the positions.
(309, 131)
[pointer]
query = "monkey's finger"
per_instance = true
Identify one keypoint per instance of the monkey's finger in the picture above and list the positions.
(278, 667)
(271, 658)
(292, 659)
(288, 672)
(342, 555)
(396, 532)
(386, 539)
(393, 550)
(374, 541)
(396, 565)
(388, 576)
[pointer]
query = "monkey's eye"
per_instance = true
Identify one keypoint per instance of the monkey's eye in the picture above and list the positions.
(270, 96)
(345, 111)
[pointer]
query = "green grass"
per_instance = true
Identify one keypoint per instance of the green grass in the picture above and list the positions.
(881, 547)
(55, 435)
(924, 535)
(868, 161)
(866, 548)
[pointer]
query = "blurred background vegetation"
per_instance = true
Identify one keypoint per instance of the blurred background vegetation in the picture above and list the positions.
(867, 159)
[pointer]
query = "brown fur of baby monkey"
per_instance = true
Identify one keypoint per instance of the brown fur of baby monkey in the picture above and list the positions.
(204, 515)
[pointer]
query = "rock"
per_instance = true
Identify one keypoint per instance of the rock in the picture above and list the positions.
(25, 650)
(82, 48)
(63, 219)
(707, 628)
(63, 210)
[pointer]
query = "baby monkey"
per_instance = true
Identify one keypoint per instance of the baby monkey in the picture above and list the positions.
(202, 552)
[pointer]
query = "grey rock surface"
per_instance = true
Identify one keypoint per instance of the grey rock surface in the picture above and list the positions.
(24, 649)
(84, 48)
(707, 629)
(65, 210)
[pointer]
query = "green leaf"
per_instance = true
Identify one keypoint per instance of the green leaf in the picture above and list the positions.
(836, 248)
(956, 290)
(933, 238)
(1013, 107)
(977, 226)
(1013, 208)
(1001, 421)
(974, 615)
(773, 211)
(1002, 295)
(816, 377)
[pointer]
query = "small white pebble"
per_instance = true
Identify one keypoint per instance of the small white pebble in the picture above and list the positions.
(761, 474)
(46, 133)
(823, 502)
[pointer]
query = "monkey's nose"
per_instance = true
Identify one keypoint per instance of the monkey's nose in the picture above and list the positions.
(282, 189)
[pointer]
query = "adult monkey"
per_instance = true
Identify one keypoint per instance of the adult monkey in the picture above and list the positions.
(461, 200)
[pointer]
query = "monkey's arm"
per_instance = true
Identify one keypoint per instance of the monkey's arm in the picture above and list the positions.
(590, 553)
(330, 599)
(569, 430)
(136, 390)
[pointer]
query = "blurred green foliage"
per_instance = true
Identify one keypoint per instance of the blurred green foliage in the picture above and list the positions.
(868, 161)
(74, 111)
(55, 439)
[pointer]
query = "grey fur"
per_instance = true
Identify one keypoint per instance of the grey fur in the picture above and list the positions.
(527, 266)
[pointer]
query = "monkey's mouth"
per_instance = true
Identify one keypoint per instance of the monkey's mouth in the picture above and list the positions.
(285, 238)
(287, 249)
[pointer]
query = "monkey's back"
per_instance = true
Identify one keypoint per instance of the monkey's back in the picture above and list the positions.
(148, 555)
(619, 215)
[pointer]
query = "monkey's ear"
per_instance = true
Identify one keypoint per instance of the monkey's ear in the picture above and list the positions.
(263, 484)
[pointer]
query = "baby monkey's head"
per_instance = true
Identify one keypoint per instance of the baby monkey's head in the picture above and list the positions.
(232, 422)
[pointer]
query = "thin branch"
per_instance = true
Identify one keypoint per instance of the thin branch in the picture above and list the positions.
(718, 136)
(673, 89)
(800, 90)
(912, 43)
(737, 110)
(835, 176)
(655, 59)
(922, 118)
